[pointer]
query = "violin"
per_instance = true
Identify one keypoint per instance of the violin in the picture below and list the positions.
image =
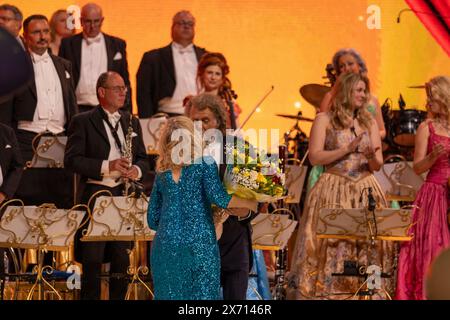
(229, 95)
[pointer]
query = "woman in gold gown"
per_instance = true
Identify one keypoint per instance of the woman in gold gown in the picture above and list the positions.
(346, 141)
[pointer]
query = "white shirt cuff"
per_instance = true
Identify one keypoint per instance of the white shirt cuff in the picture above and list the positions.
(105, 168)
(139, 172)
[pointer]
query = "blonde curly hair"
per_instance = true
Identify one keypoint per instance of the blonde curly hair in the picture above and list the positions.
(341, 112)
(168, 141)
(438, 91)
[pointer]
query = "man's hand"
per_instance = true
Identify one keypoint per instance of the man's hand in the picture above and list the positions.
(2, 197)
(132, 173)
(121, 165)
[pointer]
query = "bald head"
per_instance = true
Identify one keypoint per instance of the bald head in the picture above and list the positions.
(91, 8)
(91, 19)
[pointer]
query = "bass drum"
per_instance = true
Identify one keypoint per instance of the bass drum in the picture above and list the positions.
(404, 126)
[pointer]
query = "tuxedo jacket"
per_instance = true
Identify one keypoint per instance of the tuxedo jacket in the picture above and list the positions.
(235, 244)
(88, 145)
(70, 49)
(22, 106)
(10, 161)
(156, 79)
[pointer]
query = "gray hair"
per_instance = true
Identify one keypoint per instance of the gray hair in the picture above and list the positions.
(215, 104)
(17, 13)
(354, 53)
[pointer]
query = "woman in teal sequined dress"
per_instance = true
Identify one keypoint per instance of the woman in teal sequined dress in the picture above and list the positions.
(185, 256)
(345, 61)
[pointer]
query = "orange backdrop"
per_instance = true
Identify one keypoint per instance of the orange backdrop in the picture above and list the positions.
(284, 43)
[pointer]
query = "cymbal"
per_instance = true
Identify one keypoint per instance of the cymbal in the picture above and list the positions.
(314, 93)
(417, 87)
(296, 117)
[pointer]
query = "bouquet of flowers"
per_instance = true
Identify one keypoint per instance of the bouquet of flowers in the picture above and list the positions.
(252, 176)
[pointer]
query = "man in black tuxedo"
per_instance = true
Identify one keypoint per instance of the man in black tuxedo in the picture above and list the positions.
(11, 20)
(11, 167)
(167, 75)
(94, 150)
(235, 243)
(11, 164)
(45, 105)
(92, 53)
(48, 102)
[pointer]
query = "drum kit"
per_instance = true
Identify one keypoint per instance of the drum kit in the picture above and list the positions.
(401, 125)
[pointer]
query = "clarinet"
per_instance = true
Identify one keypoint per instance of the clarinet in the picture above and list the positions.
(127, 153)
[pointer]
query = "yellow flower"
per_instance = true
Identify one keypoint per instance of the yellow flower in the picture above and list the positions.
(235, 170)
(261, 178)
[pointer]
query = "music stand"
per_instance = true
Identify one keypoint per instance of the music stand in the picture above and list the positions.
(119, 218)
(271, 231)
(42, 228)
(398, 180)
(359, 224)
(48, 151)
(295, 179)
(151, 130)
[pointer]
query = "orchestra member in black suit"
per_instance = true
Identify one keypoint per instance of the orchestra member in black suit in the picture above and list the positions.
(92, 53)
(167, 75)
(48, 103)
(11, 164)
(96, 141)
(11, 167)
(11, 20)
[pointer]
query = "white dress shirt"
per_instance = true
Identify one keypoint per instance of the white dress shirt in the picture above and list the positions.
(110, 179)
(94, 61)
(49, 114)
(185, 62)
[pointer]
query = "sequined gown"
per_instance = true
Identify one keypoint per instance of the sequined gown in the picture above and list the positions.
(430, 227)
(314, 259)
(185, 256)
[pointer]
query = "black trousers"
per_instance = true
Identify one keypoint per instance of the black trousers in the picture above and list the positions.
(236, 258)
(93, 254)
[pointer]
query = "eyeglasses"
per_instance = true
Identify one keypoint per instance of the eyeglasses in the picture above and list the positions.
(6, 19)
(117, 89)
(185, 23)
(95, 22)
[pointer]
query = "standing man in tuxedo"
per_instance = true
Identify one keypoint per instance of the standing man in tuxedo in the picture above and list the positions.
(96, 141)
(11, 167)
(48, 103)
(11, 20)
(92, 53)
(167, 75)
(235, 244)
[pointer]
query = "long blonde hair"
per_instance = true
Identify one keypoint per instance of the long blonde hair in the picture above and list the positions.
(438, 90)
(341, 112)
(167, 143)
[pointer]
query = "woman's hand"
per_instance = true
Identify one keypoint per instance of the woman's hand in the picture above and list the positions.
(352, 146)
(437, 151)
(369, 152)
